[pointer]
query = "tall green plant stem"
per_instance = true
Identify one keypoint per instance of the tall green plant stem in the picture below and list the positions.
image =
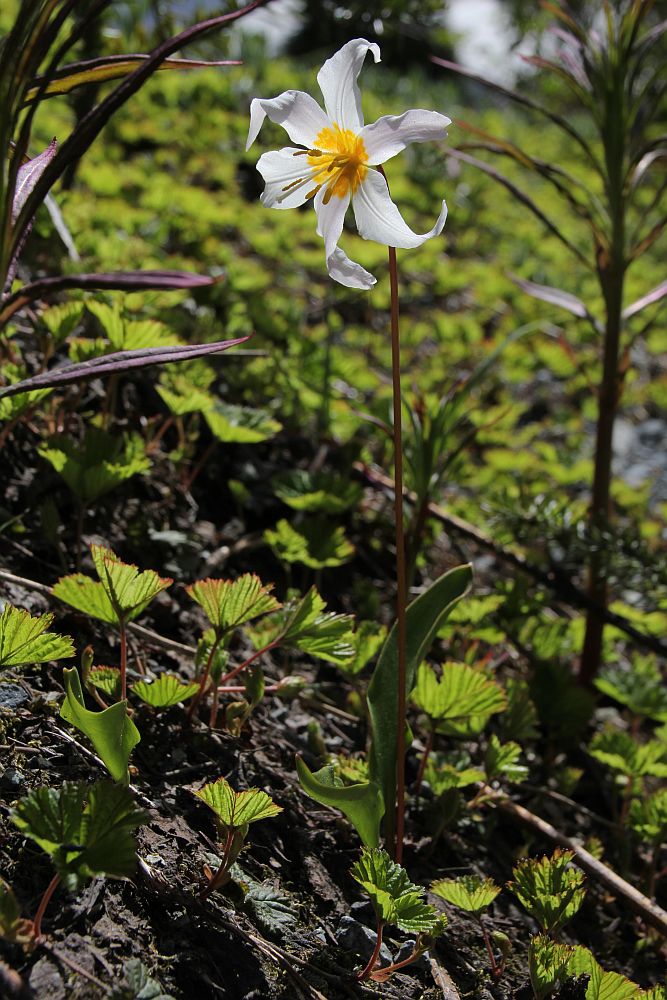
(611, 275)
(401, 577)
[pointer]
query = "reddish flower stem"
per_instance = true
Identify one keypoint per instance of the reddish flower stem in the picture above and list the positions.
(43, 903)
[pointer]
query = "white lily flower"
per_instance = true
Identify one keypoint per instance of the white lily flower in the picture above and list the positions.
(335, 157)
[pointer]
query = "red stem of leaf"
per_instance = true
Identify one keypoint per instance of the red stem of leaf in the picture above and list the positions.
(44, 902)
(372, 961)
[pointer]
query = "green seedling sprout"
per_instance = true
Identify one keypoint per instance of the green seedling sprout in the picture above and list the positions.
(121, 594)
(234, 812)
(550, 889)
(24, 639)
(317, 543)
(396, 901)
(87, 830)
(551, 963)
(632, 761)
(475, 895)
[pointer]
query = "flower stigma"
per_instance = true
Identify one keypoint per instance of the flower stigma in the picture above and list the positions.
(338, 162)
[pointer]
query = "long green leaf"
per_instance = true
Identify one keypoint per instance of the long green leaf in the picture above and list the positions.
(425, 617)
(361, 803)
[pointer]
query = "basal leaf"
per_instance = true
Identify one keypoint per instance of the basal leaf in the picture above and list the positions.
(272, 909)
(317, 543)
(395, 898)
(237, 809)
(100, 463)
(106, 679)
(469, 892)
(601, 985)
(129, 590)
(648, 816)
(623, 752)
(640, 687)
(240, 424)
(112, 732)
(230, 603)
(360, 802)
(424, 617)
(24, 639)
(461, 700)
(164, 692)
(549, 889)
(323, 634)
(502, 761)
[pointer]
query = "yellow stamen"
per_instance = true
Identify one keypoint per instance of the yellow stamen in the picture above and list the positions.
(339, 161)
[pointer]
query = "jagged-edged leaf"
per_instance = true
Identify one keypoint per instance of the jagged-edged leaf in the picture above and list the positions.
(123, 591)
(622, 752)
(471, 893)
(240, 424)
(317, 543)
(230, 603)
(360, 802)
(106, 679)
(24, 638)
(502, 761)
(99, 464)
(442, 775)
(425, 616)
(183, 397)
(13, 927)
(549, 888)
(519, 720)
(316, 492)
(237, 809)
(601, 985)
(648, 816)
(112, 732)
(272, 908)
(69, 77)
(13, 407)
(324, 634)
(462, 699)
(367, 641)
(396, 900)
(126, 334)
(640, 687)
(86, 829)
(547, 965)
(167, 690)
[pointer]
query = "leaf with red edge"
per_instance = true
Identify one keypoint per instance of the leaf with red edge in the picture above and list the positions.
(28, 175)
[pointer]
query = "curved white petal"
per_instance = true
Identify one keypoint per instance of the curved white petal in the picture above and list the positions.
(346, 272)
(330, 218)
(298, 113)
(389, 135)
(338, 83)
(379, 219)
(282, 169)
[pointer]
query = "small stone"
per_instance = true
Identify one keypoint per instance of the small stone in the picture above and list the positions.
(361, 940)
(406, 950)
(12, 695)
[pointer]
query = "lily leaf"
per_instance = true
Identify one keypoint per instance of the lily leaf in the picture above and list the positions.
(28, 175)
(469, 892)
(112, 732)
(556, 297)
(164, 692)
(360, 802)
(86, 829)
(230, 603)
(24, 639)
(237, 809)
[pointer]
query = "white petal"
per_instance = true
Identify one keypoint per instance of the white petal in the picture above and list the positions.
(389, 135)
(379, 219)
(280, 169)
(338, 83)
(298, 113)
(346, 272)
(330, 219)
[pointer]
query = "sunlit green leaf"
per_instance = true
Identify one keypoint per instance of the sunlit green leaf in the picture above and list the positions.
(396, 900)
(461, 700)
(317, 543)
(469, 892)
(167, 690)
(501, 761)
(230, 603)
(549, 888)
(240, 424)
(623, 752)
(323, 634)
(106, 679)
(237, 809)
(316, 493)
(24, 639)
(639, 686)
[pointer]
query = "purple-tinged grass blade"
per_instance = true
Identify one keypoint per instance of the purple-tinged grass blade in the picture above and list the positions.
(78, 74)
(556, 297)
(119, 361)
(646, 300)
(126, 281)
(28, 175)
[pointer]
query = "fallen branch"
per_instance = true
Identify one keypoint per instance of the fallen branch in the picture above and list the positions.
(561, 585)
(649, 911)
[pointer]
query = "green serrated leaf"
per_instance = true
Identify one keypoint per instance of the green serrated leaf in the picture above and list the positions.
(316, 544)
(24, 639)
(501, 761)
(230, 603)
(106, 679)
(86, 829)
(367, 640)
(237, 809)
(100, 463)
(640, 687)
(549, 889)
(240, 424)
(547, 965)
(112, 732)
(316, 493)
(395, 898)
(469, 892)
(648, 816)
(461, 701)
(601, 985)
(138, 984)
(623, 752)
(164, 692)
(323, 634)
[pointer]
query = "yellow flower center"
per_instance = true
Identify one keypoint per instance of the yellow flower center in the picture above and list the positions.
(337, 162)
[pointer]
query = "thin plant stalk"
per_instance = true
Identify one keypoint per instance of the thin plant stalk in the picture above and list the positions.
(43, 903)
(217, 879)
(123, 659)
(401, 577)
(246, 663)
(372, 961)
(194, 704)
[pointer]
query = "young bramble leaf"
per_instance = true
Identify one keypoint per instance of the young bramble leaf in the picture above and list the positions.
(547, 965)
(99, 464)
(368, 640)
(316, 544)
(304, 624)
(230, 603)
(550, 891)
(396, 900)
(442, 775)
(601, 985)
(112, 732)
(240, 424)
(640, 687)
(316, 493)
(272, 909)
(648, 816)
(86, 829)
(469, 892)
(501, 759)
(462, 700)
(164, 692)
(106, 679)
(24, 639)
(13, 927)
(237, 809)
(622, 752)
